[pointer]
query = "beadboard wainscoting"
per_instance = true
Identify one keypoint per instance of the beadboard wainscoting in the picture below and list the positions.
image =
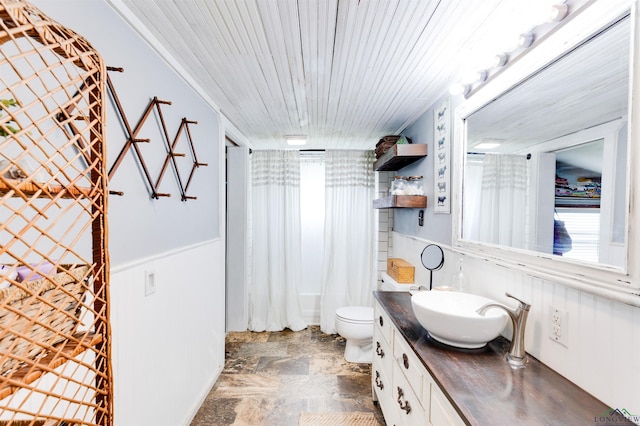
(168, 347)
(603, 349)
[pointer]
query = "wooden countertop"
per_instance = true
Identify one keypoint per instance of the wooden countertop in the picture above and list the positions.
(484, 389)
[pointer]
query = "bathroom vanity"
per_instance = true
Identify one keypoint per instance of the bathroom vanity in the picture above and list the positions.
(418, 381)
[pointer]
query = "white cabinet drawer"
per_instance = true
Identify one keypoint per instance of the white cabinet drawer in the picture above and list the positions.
(409, 365)
(382, 322)
(407, 402)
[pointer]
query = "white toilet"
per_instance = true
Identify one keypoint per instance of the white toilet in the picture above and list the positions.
(355, 324)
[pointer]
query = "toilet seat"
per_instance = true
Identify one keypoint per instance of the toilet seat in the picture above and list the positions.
(355, 314)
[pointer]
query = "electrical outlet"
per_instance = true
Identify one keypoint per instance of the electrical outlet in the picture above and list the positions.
(559, 326)
(149, 283)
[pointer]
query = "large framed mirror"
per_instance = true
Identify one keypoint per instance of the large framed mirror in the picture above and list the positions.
(544, 169)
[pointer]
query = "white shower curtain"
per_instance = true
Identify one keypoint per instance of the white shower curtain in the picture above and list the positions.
(503, 201)
(274, 300)
(349, 265)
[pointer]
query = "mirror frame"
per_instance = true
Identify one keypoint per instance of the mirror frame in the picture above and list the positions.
(603, 280)
(440, 264)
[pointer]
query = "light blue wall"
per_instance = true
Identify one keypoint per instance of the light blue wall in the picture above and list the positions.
(140, 227)
(437, 227)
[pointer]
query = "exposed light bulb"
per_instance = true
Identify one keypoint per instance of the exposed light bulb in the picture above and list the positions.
(459, 89)
(500, 60)
(525, 40)
(558, 12)
(474, 77)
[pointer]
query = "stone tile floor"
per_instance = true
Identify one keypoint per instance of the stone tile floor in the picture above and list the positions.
(270, 378)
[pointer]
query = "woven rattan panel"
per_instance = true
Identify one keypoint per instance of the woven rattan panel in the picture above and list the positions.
(54, 330)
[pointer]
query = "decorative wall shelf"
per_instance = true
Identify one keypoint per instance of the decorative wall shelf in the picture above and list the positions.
(401, 201)
(399, 156)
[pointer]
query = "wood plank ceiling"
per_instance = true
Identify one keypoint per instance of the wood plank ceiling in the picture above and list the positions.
(342, 72)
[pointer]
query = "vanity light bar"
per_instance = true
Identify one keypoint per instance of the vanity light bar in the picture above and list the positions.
(557, 13)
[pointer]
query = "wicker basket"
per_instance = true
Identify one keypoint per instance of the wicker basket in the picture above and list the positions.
(400, 270)
(386, 143)
(37, 314)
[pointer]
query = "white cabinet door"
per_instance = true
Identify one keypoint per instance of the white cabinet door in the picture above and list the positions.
(442, 412)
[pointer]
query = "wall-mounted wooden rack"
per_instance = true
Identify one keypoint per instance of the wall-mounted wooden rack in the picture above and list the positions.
(133, 141)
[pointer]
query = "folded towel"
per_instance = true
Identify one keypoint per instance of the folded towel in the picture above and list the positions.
(34, 271)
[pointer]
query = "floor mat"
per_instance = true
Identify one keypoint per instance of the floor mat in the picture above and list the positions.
(337, 419)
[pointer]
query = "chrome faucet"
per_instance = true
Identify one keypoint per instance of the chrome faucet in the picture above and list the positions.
(516, 356)
(416, 289)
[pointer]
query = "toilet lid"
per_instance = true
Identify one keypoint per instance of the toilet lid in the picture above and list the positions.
(355, 313)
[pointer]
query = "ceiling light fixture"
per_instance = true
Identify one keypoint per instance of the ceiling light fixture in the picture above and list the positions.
(296, 140)
(487, 145)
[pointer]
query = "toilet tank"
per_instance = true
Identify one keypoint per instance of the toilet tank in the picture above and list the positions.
(389, 284)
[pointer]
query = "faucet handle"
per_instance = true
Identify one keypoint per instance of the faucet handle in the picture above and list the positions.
(524, 305)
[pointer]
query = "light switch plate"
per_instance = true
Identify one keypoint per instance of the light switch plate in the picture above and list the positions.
(149, 283)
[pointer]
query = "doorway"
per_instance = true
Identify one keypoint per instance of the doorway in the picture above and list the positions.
(236, 235)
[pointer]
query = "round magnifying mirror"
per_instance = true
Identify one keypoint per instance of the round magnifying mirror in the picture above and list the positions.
(432, 258)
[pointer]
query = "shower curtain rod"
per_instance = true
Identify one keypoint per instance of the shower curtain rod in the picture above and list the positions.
(483, 153)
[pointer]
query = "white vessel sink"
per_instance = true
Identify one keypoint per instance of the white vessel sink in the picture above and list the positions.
(451, 318)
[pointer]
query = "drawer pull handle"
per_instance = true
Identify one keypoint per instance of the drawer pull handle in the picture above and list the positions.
(381, 321)
(379, 350)
(406, 407)
(405, 361)
(379, 383)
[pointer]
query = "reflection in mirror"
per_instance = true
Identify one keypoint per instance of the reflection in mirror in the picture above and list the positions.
(546, 162)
